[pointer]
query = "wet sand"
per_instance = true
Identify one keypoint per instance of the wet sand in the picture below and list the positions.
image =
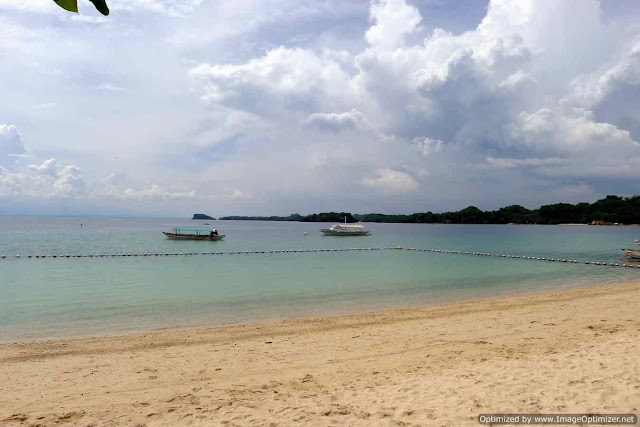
(571, 351)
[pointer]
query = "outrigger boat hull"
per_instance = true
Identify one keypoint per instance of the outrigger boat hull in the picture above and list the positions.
(632, 254)
(330, 232)
(177, 236)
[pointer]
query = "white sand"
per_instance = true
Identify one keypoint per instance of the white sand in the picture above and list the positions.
(572, 351)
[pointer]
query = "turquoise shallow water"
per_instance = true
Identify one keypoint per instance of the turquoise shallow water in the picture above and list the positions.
(60, 297)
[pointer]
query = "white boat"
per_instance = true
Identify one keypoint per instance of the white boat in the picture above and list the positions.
(346, 230)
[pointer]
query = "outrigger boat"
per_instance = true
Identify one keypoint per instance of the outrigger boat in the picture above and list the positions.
(189, 233)
(632, 254)
(346, 230)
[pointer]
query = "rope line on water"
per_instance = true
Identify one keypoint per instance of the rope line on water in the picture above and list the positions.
(529, 258)
(280, 251)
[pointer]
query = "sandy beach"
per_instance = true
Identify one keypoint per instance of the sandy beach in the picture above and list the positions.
(570, 351)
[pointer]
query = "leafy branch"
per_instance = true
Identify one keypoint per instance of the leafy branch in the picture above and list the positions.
(72, 5)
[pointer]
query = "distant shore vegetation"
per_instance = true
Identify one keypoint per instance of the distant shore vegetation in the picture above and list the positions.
(610, 210)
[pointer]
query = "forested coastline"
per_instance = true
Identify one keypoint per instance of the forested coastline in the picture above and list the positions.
(610, 210)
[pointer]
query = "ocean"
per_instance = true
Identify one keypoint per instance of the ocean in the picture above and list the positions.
(54, 297)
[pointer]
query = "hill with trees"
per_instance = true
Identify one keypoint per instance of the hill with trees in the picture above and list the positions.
(612, 209)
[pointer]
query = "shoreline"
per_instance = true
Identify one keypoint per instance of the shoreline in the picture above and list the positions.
(563, 351)
(322, 314)
(346, 316)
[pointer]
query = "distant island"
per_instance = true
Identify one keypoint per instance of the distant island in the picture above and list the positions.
(202, 216)
(612, 210)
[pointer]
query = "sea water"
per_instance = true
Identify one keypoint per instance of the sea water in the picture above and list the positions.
(77, 296)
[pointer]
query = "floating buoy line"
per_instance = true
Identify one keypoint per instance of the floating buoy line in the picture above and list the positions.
(282, 251)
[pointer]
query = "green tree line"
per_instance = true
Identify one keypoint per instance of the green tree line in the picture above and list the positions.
(293, 217)
(612, 209)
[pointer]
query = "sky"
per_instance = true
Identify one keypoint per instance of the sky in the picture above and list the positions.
(273, 107)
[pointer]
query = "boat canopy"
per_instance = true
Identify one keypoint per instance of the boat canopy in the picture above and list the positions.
(202, 230)
(351, 225)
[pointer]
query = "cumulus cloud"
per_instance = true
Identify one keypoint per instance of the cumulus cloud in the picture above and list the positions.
(154, 192)
(393, 20)
(567, 130)
(294, 80)
(53, 180)
(594, 87)
(117, 187)
(10, 143)
(517, 81)
(613, 91)
(538, 94)
(575, 143)
(43, 181)
(512, 93)
(49, 179)
(389, 180)
(427, 145)
(335, 122)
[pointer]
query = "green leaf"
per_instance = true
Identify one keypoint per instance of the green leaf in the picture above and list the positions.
(70, 5)
(101, 5)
